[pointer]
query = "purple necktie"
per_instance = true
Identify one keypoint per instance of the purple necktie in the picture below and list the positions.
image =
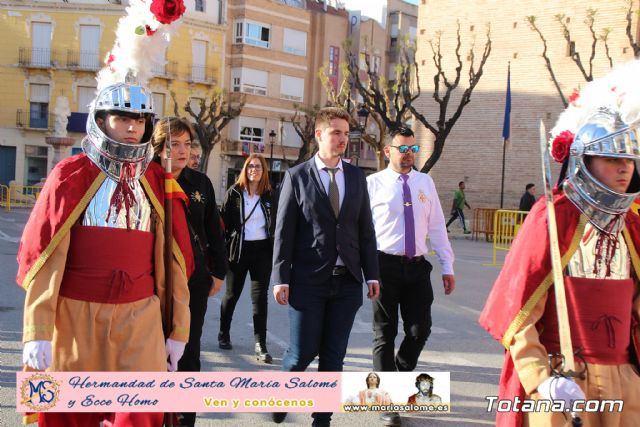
(409, 227)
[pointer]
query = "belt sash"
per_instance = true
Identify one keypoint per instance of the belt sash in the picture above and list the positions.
(600, 313)
(109, 265)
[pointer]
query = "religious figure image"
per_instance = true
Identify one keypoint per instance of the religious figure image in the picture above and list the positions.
(425, 395)
(372, 395)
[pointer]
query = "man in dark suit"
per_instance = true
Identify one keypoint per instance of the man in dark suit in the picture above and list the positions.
(324, 242)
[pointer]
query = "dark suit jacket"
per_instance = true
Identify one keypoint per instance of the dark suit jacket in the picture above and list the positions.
(308, 236)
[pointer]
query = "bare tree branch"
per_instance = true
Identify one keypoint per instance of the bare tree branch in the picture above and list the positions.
(604, 37)
(573, 51)
(211, 119)
(532, 24)
(303, 122)
(629, 17)
(443, 125)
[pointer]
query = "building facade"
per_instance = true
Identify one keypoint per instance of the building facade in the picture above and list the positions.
(49, 70)
(473, 150)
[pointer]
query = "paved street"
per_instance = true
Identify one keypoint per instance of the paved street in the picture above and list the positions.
(457, 343)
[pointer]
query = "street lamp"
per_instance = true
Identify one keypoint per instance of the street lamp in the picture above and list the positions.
(272, 140)
(363, 115)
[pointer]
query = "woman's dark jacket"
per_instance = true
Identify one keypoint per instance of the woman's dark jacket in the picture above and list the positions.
(233, 214)
(207, 235)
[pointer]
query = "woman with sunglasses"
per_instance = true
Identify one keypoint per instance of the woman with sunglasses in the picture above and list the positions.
(246, 212)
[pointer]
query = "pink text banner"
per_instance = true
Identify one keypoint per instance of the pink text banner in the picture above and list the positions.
(178, 391)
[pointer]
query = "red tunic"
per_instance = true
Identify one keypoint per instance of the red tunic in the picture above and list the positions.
(526, 277)
(64, 197)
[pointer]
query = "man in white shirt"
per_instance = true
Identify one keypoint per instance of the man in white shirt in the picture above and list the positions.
(406, 214)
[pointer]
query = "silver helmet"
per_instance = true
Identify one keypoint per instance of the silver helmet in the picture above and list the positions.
(603, 133)
(108, 154)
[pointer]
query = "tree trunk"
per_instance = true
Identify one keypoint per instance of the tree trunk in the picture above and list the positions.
(204, 164)
(381, 159)
(438, 146)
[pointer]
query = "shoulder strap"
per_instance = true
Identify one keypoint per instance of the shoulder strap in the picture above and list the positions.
(250, 213)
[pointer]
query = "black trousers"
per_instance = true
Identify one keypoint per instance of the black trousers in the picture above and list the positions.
(405, 286)
(255, 259)
(455, 214)
(199, 287)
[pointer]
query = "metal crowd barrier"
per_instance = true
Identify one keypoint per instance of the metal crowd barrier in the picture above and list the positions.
(19, 196)
(483, 223)
(506, 225)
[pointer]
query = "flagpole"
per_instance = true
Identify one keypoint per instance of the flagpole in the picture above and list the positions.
(506, 131)
(504, 151)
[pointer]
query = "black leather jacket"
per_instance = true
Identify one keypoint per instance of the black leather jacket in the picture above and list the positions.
(233, 215)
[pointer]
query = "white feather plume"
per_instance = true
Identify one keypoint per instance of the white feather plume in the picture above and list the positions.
(618, 90)
(135, 54)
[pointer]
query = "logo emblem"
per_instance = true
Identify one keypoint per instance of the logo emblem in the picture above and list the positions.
(421, 196)
(40, 392)
(197, 197)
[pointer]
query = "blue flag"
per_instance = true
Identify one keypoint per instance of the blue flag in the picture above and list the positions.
(506, 126)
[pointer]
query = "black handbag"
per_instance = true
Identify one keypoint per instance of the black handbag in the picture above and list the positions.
(233, 240)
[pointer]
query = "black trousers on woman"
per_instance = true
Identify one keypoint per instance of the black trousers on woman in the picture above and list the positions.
(199, 287)
(255, 259)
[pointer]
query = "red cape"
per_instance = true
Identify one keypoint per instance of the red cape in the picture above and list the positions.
(526, 277)
(68, 190)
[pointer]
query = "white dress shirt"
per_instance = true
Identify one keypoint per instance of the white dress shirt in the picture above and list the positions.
(387, 208)
(326, 180)
(256, 226)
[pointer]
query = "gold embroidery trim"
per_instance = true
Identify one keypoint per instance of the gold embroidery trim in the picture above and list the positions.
(71, 220)
(525, 311)
(177, 252)
(29, 419)
(633, 253)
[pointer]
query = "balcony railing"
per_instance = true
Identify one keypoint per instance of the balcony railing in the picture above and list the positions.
(37, 58)
(34, 120)
(166, 71)
(231, 147)
(202, 74)
(235, 148)
(83, 60)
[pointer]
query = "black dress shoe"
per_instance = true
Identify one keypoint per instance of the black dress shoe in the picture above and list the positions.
(390, 419)
(262, 354)
(321, 423)
(224, 341)
(278, 417)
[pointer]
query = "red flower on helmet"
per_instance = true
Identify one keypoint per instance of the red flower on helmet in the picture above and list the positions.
(560, 146)
(167, 11)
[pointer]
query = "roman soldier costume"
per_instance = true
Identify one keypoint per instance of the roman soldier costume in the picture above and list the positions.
(92, 264)
(598, 245)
